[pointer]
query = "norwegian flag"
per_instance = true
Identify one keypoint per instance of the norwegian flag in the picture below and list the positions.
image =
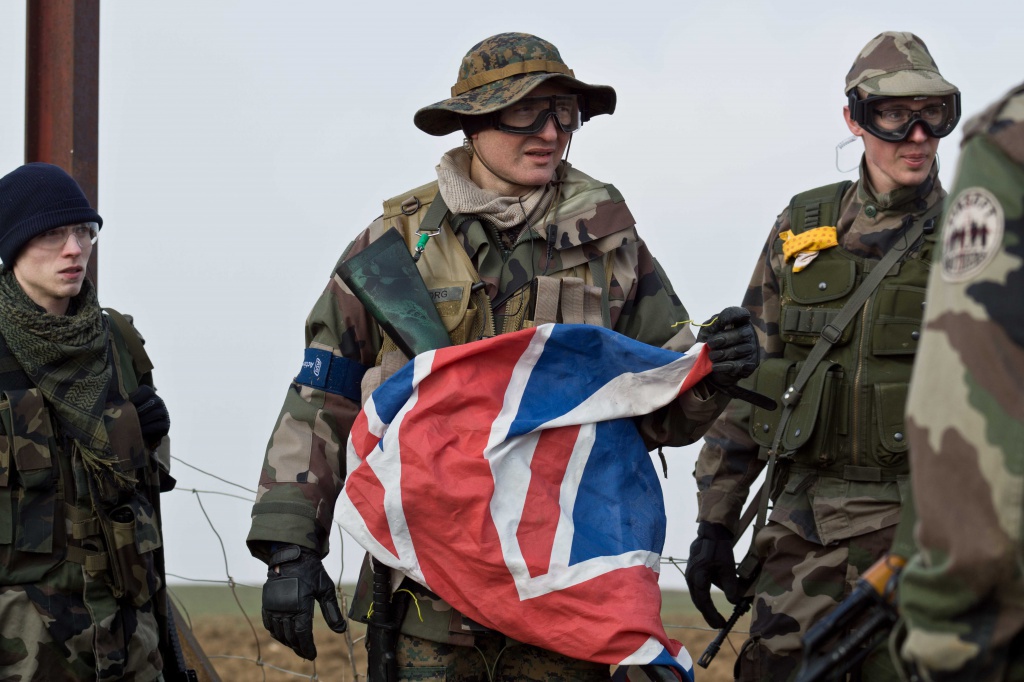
(508, 477)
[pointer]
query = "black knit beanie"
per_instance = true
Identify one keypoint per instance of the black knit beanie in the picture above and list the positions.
(35, 198)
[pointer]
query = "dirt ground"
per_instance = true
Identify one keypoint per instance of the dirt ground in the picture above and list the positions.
(234, 650)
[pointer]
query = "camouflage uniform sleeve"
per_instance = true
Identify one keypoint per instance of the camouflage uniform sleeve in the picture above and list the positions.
(962, 595)
(304, 467)
(728, 462)
(650, 314)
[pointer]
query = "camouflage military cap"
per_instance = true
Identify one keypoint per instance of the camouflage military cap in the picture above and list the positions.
(502, 70)
(897, 64)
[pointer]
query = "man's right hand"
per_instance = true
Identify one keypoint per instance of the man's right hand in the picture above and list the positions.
(732, 345)
(711, 563)
(296, 577)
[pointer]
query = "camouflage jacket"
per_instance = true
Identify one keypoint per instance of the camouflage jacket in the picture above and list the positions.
(304, 467)
(819, 506)
(83, 549)
(963, 594)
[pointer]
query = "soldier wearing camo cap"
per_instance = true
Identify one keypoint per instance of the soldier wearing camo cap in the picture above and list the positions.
(838, 356)
(962, 596)
(519, 235)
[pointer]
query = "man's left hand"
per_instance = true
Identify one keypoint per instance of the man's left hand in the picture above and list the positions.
(153, 416)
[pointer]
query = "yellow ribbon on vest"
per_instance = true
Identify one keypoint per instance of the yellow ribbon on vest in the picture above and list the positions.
(806, 245)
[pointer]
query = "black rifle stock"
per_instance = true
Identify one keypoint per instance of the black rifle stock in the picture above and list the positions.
(872, 602)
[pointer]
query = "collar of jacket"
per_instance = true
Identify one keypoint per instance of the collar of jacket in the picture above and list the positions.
(587, 211)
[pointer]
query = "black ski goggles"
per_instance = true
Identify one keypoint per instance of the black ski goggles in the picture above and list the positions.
(892, 118)
(529, 115)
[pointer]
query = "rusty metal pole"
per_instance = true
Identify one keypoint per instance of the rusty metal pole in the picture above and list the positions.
(62, 91)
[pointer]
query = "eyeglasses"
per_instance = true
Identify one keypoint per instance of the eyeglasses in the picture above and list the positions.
(884, 119)
(529, 115)
(85, 234)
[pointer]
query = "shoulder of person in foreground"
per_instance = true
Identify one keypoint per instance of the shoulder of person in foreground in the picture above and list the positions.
(963, 594)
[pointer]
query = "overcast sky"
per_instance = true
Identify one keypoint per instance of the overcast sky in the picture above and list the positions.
(244, 143)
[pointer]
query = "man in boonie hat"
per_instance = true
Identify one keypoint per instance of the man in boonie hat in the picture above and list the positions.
(840, 484)
(509, 236)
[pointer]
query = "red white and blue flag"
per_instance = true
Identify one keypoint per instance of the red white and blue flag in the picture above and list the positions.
(508, 477)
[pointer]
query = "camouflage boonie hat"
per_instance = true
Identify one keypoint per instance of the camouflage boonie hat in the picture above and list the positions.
(502, 70)
(897, 64)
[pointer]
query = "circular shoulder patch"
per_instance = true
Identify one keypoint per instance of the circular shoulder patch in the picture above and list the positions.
(971, 235)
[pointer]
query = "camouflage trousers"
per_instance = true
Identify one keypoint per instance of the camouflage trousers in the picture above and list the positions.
(55, 635)
(801, 582)
(494, 657)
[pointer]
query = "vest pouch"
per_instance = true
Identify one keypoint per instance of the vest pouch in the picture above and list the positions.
(31, 443)
(829, 277)
(814, 416)
(131, 533)
(770, 380)
(458, 309)
(813, 297)
(897, 326)
(33, 522)
(890, 403)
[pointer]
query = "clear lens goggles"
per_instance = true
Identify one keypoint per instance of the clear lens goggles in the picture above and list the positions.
(529, 115)
(892, 119)
(85, 234)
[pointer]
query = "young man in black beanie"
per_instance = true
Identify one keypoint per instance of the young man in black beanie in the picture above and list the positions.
(80, 427)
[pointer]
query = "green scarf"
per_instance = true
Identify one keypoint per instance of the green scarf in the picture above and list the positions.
(66, 358)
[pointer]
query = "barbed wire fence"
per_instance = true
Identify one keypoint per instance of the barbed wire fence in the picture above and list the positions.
(350, 642)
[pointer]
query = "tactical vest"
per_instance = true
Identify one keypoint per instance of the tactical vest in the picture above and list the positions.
(55, 512)
(576, 293)
(849, 422)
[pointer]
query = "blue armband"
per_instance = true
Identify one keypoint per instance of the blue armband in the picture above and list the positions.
(328, 372)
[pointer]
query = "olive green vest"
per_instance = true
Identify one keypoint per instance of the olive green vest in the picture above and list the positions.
(849, 421)
(51, 521)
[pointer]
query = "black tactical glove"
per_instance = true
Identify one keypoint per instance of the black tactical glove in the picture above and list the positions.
(711, 563)
(295, 578)
(153, 417)
(733, 345)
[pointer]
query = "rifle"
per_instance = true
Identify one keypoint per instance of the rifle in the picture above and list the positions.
(180, 654)
(716, 644)
(193, 664)
(874, 595)
(748, 571)
(382, 665)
